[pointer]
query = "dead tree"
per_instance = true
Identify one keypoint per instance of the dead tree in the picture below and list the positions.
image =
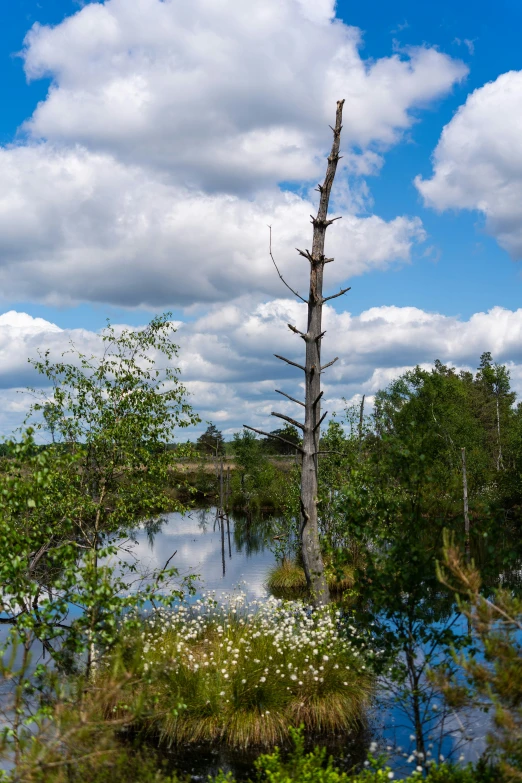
(312, 369)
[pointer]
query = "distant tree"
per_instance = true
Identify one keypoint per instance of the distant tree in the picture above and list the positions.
(492, 383)
(211, 441)
(52, 415)
(276, 446)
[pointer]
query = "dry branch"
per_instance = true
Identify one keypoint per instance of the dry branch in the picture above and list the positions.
(321, 420)
(290, 398)
(288, 419)
(294, 364)
(274, 435)
(329, 364)
(279, 273)
(296, 331)
(340, 293)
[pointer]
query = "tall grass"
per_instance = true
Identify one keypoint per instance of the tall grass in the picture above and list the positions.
(288, 580)
(243, 673)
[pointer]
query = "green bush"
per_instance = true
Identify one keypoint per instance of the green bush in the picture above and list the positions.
(316, 767)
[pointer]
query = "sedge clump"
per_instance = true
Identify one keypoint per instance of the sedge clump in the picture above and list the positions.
(244, 673)
(288, 580)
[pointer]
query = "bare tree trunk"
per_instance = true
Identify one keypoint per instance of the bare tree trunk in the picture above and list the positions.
(499, 458)
(465, 498)
(309, 526)
(228, 486)
(222, 524)
(361, 420)
(310, 544)
(228, 536)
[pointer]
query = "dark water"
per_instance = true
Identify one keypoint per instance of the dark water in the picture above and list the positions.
(236, 553)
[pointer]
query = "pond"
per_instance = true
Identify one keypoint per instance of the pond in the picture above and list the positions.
(224, 556)
(236, 552)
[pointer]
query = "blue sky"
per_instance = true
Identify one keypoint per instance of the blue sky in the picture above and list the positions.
(446, 245)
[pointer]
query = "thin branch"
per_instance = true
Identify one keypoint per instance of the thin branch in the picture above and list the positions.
(332, 220)
(11, 620)
(500, 611)
(158, 577)
(334, 296)
(320, 420)
(294, 364)
(296, 331)
(336, 131)
(273, 435)
(317, 398)
(296, 293)
(41, 552)
(289, 419)
(329, 363)
(290, 398)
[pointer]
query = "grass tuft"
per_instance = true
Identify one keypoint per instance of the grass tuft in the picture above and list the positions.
(288, 580)
(242, 674)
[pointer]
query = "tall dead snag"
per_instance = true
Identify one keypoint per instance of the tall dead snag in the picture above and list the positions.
(309, 528)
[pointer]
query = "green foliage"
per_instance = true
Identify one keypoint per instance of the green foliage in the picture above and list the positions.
(317, 767)
(66, 510)
(312, 767)
(76, 738)
(391, 485)
(287, 579)
(256, 483)
(276, 446)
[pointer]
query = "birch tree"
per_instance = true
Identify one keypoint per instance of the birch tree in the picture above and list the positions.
(312, 370)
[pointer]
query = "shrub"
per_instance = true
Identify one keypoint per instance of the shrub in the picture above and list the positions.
(316, 767)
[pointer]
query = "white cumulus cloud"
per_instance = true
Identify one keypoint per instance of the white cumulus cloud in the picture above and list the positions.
(227, 95)
(477, 163)
(81, 226)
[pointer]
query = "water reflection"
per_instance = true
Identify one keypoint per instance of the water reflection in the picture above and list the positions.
(223, 550)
